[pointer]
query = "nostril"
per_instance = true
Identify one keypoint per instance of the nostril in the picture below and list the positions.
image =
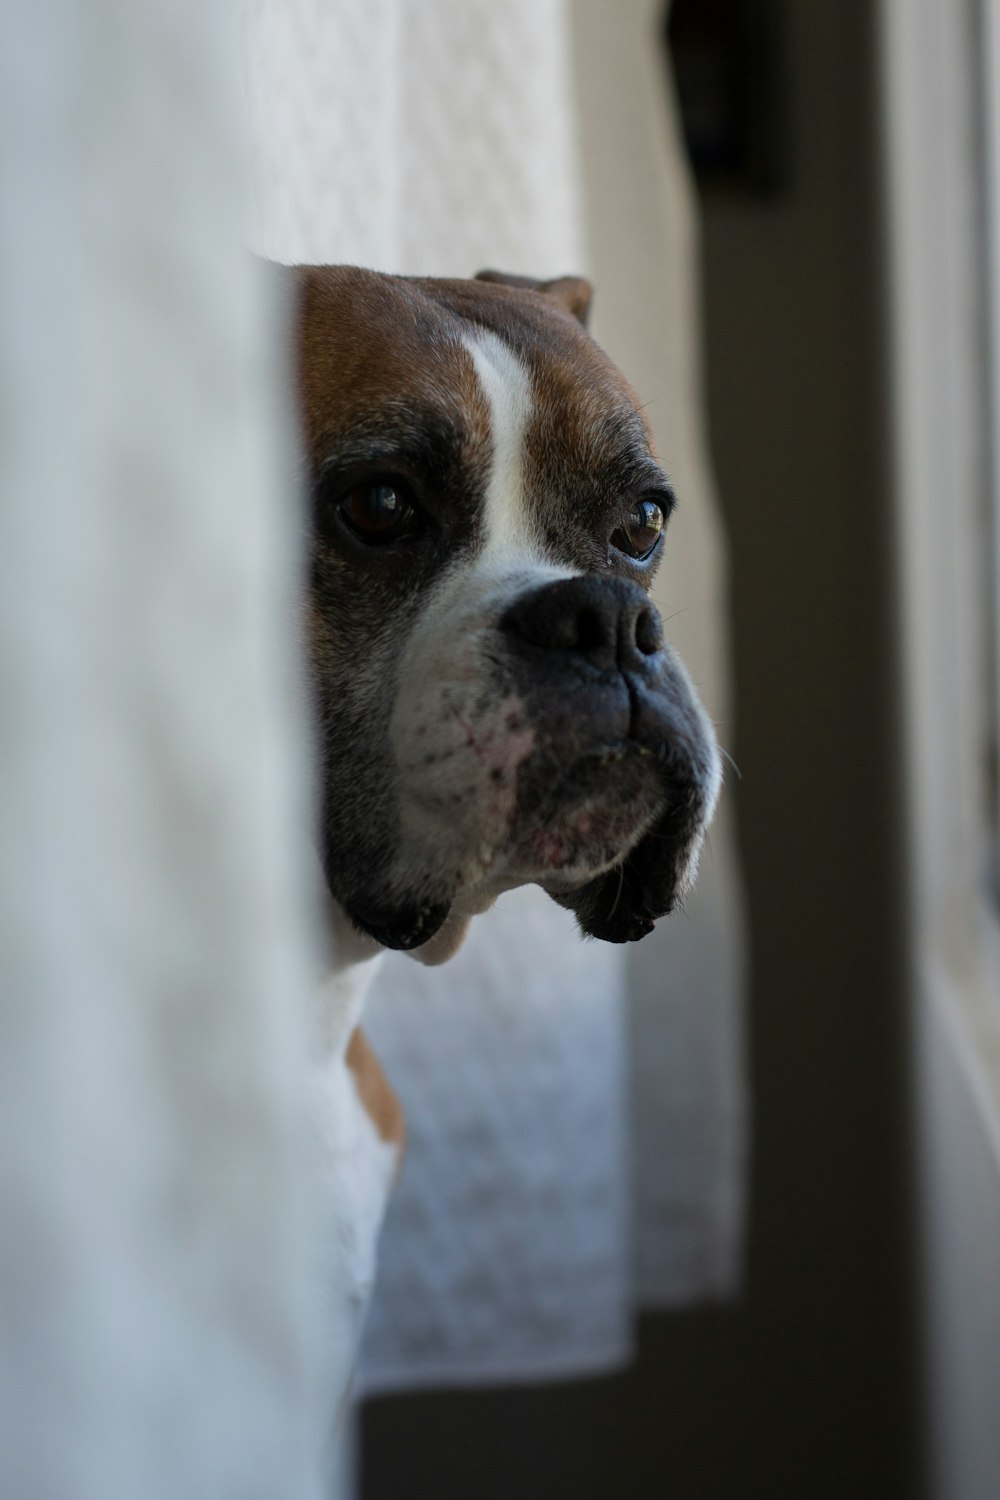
(648, 632)
(607, 622)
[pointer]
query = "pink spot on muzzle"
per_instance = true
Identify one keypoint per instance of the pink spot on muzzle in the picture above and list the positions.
(503, 740)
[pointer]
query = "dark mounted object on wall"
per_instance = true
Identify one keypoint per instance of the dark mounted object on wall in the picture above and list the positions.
(729, 65)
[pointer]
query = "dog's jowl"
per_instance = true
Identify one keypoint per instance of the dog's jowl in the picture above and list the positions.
(495, 701)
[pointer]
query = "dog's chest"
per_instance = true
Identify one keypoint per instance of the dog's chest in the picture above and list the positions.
(357, 1169)
(357, 1135)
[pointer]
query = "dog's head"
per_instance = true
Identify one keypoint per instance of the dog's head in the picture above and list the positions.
(496, 704)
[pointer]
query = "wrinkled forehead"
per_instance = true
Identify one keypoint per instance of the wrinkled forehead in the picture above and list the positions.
(465, 372)
(373, 358)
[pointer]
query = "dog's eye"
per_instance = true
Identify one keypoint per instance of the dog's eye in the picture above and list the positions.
(380, 513)
(642, 529)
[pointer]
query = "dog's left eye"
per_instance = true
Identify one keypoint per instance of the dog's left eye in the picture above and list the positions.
(380, 513)
(641, 530)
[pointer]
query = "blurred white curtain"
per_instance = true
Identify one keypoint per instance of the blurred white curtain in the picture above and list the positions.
(576, 1113)
(154, 944)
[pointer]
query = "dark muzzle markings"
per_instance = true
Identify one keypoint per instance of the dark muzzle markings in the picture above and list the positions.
(522, 719)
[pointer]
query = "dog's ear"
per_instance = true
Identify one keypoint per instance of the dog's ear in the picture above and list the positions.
(572, 293)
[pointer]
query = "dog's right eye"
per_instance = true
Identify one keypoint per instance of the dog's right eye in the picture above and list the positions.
(380, 512)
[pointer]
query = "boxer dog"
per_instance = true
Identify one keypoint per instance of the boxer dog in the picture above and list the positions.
(495, 703)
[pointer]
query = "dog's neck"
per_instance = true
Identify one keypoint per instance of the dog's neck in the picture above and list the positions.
(355, 962)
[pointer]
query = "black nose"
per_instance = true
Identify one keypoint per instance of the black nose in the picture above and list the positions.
(609, 622)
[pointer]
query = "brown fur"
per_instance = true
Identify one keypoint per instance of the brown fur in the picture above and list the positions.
(375, 1091)
(347, 364)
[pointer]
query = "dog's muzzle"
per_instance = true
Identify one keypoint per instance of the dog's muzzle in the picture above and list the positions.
(579, 760)
(622, 736)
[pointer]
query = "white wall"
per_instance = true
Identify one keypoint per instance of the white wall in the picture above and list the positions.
(935, 181)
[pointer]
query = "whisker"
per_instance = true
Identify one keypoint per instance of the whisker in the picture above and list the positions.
(618, 893)
(727, 757)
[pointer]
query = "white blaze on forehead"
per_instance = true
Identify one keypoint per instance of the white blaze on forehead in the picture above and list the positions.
(510, 531)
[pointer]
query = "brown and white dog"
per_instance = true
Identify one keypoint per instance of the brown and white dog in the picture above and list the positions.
(495, 703)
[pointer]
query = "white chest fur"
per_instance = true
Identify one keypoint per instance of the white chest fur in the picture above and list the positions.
(355, 1170)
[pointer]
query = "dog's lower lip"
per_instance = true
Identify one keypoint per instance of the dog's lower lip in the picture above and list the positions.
(402, 930)
(593, 838)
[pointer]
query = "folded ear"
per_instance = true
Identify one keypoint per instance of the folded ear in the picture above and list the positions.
(572, 293)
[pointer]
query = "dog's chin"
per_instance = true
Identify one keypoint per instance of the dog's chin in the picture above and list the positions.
(561, 836)
(572, 847)
(401, 927)
(586, 823)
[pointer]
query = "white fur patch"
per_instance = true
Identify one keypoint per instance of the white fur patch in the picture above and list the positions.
(458, 757)
(506, 383)
(356, 1170)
